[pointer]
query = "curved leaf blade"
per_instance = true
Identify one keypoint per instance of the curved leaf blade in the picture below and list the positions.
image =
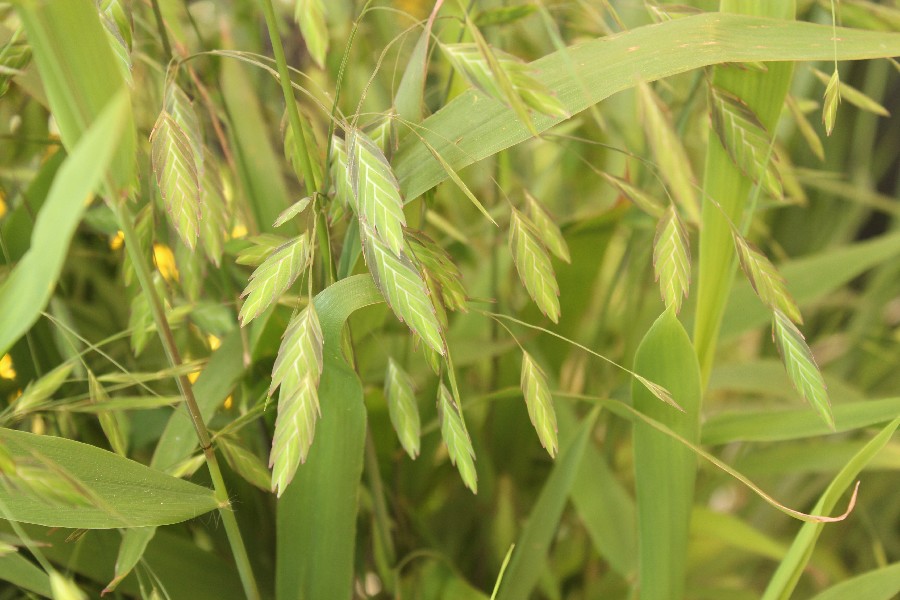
(118, 492)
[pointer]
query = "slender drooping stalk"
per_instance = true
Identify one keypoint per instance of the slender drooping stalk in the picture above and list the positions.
(142, 271)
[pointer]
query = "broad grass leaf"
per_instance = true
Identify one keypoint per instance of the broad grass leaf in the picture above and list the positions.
(547, 229)
(531, 553)
(131, 551)
(533, 264)
(540, 403)
(464, 136)
(661, 464)
(27, 289)
(644, 201)
(794, 563)
(801, 365)
(274, 276)
(244, 462)
(672, 259)
(854, 96)
(882, 583)
(403, 288)
(745, 139)
(175, 165)
(376, 191)
(437, 264)
(767, 282)
(455, 436)
(310, 15)
(21, 572)
(214, 222)
(37, 392)
(669, 152)
(401, 400)
(832, 100)
(114, 491)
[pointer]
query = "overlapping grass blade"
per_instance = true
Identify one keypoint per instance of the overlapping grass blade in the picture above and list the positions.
(28, 288)
(664, 469)
(530, 554)
(791, 567)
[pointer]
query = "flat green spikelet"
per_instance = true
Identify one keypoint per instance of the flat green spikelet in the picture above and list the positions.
(745, 139)
(540, 403)
(459, 445)
(533, 264)
(765, 279)
(547, 229)
(672, 259)
(274, 276)
(176, 172)
(310, 15)
(376, 190)
(297, 370)
(401, 400)
(801, 365)
(403, 288)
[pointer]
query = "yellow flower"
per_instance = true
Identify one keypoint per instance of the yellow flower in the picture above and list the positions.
(165, 262)
(192, 377)
(229, 401)
(214, 342)
(238, 231)
(6, 367)
(2, 206)
(116, 242)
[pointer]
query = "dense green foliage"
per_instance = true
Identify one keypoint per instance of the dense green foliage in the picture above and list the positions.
(326, 299)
